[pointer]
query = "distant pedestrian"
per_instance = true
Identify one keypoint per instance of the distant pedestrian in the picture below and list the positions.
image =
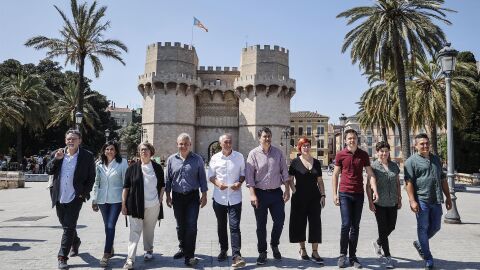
(425, 183)
(266, 171)
(73, 170)
(227, 173)
(308, 199)
(185, 175)
(107, 193)
(389, 201)
(142, 201)
(350, 163)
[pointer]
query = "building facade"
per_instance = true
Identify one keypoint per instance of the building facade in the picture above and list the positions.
(180, 96)
(314, 126)
(121, 116)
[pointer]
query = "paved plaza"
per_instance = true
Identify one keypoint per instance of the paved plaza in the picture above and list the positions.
(30, 236)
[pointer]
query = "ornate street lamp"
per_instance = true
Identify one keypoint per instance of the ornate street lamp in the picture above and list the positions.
(447, 59)
(107, 134)
(343, 121)
(78, 119)
(285, 134)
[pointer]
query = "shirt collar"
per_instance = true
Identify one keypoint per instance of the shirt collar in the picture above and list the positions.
(74, 155)
(180, 157)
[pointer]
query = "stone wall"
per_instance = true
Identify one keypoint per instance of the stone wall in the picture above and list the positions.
(12, 180)
(469, 179)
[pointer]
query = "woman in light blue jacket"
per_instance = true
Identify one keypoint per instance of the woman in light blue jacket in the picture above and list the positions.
(107, 192)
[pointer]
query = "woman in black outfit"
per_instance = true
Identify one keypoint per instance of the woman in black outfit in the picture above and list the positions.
(308, 199)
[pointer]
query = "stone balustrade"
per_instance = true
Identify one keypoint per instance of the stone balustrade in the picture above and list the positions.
(13, 179)
(469, 179)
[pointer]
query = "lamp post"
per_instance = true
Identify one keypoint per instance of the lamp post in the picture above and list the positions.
(317, 136)
(447, 58)
(107, 134)
(78, 119)
(343, 121)
(285, 134)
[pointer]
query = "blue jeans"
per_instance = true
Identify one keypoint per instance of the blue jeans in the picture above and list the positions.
(269, 200)
(185, 210)
(110, 213)
(429, 219)
(351, 206)
(234, 213)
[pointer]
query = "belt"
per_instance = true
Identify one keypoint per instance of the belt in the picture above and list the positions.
(270, 190)
(187, 192)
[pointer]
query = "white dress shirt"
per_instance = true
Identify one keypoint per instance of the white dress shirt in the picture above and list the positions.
(150, 191)
(228, 170)
(67, 191)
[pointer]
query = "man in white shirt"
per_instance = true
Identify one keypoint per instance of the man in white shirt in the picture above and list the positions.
(227, 173)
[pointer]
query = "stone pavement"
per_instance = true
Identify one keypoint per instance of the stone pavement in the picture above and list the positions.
(33, 244)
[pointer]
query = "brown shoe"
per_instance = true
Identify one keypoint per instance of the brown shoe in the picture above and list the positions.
(74, 250)
(238, 262)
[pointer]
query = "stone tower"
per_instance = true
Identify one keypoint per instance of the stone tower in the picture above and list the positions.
(180, 96)
(168, 88)
(264, 89)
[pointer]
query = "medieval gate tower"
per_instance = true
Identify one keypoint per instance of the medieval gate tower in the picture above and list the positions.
(180, 96)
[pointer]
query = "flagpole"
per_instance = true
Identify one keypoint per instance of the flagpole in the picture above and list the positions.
(191, 41)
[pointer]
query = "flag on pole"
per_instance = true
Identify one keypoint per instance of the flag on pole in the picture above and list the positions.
(198, 23)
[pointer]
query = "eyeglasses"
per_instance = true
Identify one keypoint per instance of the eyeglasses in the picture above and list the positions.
(306, 146)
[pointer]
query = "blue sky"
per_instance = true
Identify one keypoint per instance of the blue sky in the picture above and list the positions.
(327, 82)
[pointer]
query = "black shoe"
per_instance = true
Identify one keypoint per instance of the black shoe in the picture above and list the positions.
(191, 261)
(74, 250)
(303, 257)
(276, 253)
(262, 258)
(417, 246)
(179, 254)
(342, 261)
(355, 263)
(318, 260)
(62, 263)
(222, 256)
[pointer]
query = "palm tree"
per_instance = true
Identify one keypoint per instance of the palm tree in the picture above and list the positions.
(427, 99)
(377, 105)
(81, 39)
(389, 31)
(10, 109)
(64, 108)
(33, 97)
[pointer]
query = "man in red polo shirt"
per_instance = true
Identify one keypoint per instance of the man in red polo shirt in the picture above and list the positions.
(350, 162)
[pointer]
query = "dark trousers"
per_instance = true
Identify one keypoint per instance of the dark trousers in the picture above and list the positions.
(271, 200)
(110, 213)
(234, 213)
(351, 206)
(67, 214)
(185, 209)
(301, 211)
(386, 220)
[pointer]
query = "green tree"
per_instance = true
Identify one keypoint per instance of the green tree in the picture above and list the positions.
(10, 108)
(388, 32)
(130, 137)
(81, 39)
(30, 92)
(427, 98)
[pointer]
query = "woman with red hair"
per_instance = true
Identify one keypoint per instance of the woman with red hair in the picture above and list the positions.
(308, 199)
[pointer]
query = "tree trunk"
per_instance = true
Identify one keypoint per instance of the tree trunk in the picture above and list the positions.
(402, 97)
(433, 138)
(399, 132)
(81, 86)
(19, 145)
(384, 134)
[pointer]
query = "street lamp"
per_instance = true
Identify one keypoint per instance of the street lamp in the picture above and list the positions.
(317, 136)
(343, 121)
(78, 119)
(107, 134)
(285, 134)
(447, 58)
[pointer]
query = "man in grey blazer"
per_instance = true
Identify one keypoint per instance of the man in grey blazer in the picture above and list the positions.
(73, 170)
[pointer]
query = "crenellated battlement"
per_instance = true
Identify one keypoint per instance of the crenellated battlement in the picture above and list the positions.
(265, 48)
(171, 45)
(217, 68)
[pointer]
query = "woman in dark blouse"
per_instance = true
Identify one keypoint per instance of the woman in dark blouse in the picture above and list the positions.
(308, 199)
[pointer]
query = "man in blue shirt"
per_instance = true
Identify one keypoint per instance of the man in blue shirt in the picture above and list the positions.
(184, 175)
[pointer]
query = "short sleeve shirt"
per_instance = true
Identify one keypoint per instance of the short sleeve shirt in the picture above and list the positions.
(386, 183)
(352, 165)
(426, 176)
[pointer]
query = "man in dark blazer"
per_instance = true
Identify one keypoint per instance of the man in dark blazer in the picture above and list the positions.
(73, 170)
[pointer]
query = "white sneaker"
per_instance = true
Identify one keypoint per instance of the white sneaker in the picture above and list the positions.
(389, 263)
(377, 249)
(148, 255)
(128, 264)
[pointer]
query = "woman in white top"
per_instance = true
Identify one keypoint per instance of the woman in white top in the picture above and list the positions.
(107, 192)
(142, 201)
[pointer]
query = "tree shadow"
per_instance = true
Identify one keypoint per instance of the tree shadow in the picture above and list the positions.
(439, 264)
(13, 247)
(42, 227)
(20, 240)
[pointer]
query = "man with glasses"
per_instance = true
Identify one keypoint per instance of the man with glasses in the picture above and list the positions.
(266, 171)
(73, 170)
(227, 173)
(425, 182)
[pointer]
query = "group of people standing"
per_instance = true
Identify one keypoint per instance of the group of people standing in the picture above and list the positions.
(138, 190)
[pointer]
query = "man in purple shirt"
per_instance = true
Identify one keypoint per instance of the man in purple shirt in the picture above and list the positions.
(266, 171)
